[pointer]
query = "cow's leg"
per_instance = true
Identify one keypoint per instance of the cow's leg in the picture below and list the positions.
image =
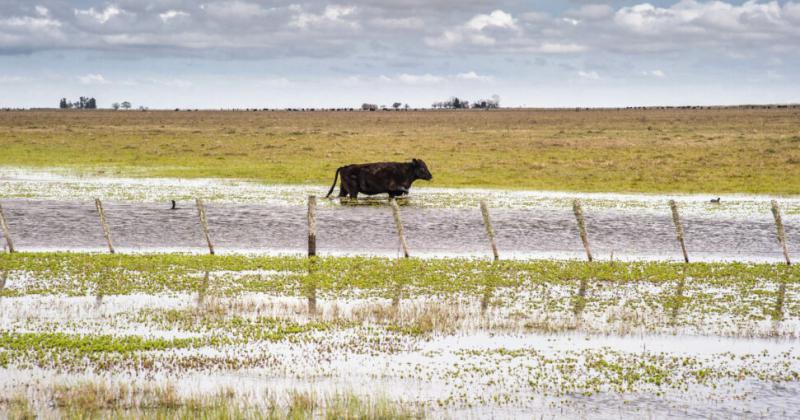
(342, 190)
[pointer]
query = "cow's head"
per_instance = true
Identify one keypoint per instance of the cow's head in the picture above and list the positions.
(421, 170)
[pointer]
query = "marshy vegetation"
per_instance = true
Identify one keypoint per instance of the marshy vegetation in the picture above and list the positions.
(353, 337)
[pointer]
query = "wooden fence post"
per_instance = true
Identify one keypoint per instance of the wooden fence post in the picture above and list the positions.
(576, 207)
(201, 211)
(489, 230)
(104, 224)
(676, 219)
(312, 225)
(399, 223)
(6, 231)
(776, 212)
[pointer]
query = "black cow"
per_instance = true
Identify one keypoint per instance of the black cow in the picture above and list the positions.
(394, 178)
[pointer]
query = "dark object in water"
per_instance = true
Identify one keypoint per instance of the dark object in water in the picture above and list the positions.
(715, 200)
(394, 178)
(174, 205)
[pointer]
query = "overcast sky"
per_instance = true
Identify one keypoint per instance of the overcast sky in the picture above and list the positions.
(250, 53)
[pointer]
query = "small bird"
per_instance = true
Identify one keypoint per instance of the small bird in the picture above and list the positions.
(715, 200)
(174, 205)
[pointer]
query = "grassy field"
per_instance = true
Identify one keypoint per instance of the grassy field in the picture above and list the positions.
(710, 151)
(184, 336)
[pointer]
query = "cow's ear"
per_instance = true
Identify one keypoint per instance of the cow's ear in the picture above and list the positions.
(415, 161)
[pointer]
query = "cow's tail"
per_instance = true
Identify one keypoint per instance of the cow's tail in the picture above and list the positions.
(335, 177)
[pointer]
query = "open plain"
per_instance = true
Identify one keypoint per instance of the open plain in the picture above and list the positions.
(716, 150)
(261, 331)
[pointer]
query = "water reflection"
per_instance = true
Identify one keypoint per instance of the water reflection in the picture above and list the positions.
(3, 278)
(579, 300)
(777, 314)
(310, 286)
(677, 301)
(202, 291)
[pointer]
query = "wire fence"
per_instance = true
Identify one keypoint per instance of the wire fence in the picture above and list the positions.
(581, 227)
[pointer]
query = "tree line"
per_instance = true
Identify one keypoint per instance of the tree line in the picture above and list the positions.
(458, 103)
(82, 103)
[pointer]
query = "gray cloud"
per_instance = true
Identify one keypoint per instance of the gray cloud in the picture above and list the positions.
(249, 28)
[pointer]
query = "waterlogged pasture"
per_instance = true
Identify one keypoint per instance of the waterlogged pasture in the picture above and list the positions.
(263, 336)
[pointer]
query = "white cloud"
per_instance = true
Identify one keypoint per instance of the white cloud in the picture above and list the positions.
(413, 79)
(654, 73)
(472, 76)
(429, 79)
(171, 14)
(496, 19)
(333, 14)
(100, 16)
(589, 75)
(234, 9)
(42, 11)
(556, 48)
(473, 31)
(750, 19)
(29, 23)
(93, 79)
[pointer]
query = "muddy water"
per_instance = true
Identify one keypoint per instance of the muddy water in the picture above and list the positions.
(369, 229)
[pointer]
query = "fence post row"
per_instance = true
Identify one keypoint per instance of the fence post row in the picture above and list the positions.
(201, 211)
(104, 224)
(312, 225)
(489, 230)
(776, 212)
(399, 223)
(576, 208)
(676, 219)
(6, 231)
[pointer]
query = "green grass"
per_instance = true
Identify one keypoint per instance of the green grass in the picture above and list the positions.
(84, 344)
(724, 150)
(105, 274)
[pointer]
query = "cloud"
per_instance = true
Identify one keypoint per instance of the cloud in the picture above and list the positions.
(413, 79)
(654, 73)
(398, 23)
(430, 79)
(481, 30)
(234, 10)
(714, 20)
(589, 75)
(472, 76)
(100, 16)
(387, 29)
(172, 14)
(333, 14)
(591, 11)
(93, 79)
(496, 19)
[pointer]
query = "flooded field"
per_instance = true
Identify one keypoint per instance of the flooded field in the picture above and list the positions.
(370, 229)
(57, 212)
(430, 338)
(261, 332)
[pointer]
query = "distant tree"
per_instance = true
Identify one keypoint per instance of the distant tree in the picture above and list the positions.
(369, 107)
(126, 105)
(115, 106)
(406, 107)
(396, 105)
(64, 104)
(91, 103)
